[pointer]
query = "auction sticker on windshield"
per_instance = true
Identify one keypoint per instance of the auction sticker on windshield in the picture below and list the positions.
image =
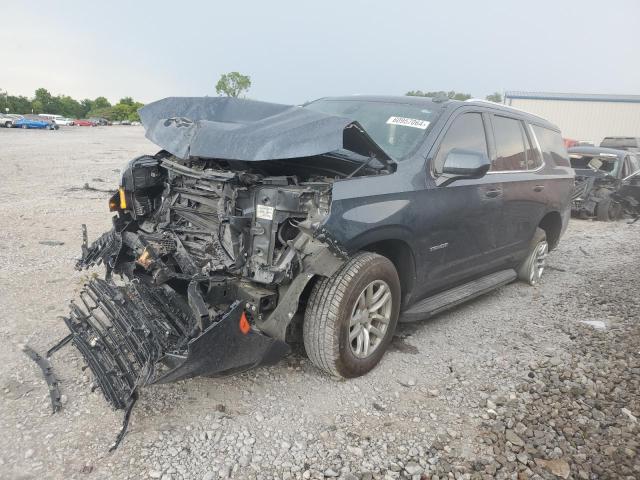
(408, 122)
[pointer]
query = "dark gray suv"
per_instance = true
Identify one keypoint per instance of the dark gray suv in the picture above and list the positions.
(258, 223)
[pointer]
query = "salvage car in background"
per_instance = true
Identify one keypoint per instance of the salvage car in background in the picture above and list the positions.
(628, 195)
(339, 219)
(81, 122)
(64, 121)
(34, 122)
(599, 174)
(6, 121)
(631, 144)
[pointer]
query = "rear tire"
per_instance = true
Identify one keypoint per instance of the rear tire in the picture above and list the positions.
(24, 126)
(608, 210)
(351, 316)
(531, 269)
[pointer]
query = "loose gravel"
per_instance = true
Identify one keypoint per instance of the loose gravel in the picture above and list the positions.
(525, 382)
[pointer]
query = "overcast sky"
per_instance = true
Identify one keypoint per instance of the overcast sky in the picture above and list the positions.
(299, 50)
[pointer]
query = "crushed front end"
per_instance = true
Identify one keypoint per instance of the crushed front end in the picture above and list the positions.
(198, 261)
(589, 190)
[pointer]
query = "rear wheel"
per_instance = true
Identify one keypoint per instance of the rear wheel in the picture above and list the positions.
(531, 269)
(351, 316)
(608, 210)
(24, 126)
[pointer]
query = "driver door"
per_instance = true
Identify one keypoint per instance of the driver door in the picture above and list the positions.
(463, 226)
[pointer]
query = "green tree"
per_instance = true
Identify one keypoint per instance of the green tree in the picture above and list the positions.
(101, 102)
(17, 104)
(44, 102)
(494, 97)
(233, 84)
(69, 107)
(453, 95)
(126, 101)
(87, 106)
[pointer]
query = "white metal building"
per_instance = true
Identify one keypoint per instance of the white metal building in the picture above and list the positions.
(589, 117)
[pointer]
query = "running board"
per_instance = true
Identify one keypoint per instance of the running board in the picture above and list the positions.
(457, 295)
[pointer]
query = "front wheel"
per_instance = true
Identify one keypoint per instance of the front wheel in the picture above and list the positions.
(531, 269)
(351, 316)
(24, 126)
(608, 210)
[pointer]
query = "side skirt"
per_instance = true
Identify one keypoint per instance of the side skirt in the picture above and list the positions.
(450, 298)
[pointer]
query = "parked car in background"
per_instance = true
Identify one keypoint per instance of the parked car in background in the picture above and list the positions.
(49, 116)
(6, 121)
(125, 122)
(599, 174)
(34, 122)
(64, 121)
(137, 124)
(116, 122)
(628, 195)
(84, 123)
(100, 121)
(631, 144)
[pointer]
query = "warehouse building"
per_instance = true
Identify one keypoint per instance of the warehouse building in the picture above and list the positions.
(588, 117)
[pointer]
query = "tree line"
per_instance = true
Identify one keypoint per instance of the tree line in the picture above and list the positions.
(44, 102)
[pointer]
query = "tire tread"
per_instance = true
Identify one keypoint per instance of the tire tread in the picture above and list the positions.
(321, 322)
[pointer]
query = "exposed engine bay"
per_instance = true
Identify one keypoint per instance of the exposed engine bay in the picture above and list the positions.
(195, 242)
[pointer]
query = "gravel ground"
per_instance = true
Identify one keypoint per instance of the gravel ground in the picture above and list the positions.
(511, 385)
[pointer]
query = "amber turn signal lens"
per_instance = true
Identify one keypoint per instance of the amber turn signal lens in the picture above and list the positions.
(244, 324)
(123, 199)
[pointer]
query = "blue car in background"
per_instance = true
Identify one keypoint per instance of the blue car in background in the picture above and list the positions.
(26, 122)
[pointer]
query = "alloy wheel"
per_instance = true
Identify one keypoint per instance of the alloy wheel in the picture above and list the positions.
(370, 318)
(538, 262)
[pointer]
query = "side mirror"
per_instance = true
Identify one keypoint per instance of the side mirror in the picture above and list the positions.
(463, 164)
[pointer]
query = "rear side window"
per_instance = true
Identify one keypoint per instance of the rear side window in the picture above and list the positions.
(553, 150)
(510, 145)
(466, 133)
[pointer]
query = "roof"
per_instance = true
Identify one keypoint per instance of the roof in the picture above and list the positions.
(407, 99)
(575, 97)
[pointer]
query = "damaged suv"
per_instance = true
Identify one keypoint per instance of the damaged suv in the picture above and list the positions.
(599, 175)
(257, 223)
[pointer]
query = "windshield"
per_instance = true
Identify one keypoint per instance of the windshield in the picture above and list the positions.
(396, 127)
(606, 164)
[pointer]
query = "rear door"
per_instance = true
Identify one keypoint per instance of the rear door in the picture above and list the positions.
(514, 165)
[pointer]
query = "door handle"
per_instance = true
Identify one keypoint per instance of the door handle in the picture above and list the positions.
(538, 188)
(492, 193)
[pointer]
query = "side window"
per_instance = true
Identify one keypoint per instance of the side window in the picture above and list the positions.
(510, 145)
(467, 133)
(534, 158)
(553, 150)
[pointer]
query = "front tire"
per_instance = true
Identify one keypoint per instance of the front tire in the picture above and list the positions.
(531, 269)
(351, 316)
(608, 210)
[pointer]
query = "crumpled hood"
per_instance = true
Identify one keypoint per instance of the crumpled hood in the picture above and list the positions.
(238, 129)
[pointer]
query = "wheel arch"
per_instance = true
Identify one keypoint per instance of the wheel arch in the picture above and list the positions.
(551, 223)
(400, 253)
